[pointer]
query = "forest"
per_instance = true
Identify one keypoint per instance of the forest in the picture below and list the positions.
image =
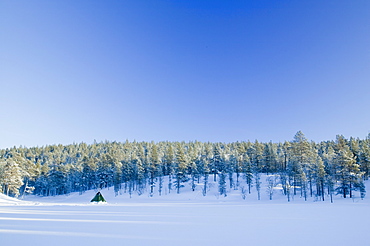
(300, 167)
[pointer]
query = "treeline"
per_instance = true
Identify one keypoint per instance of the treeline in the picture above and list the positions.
(300, 167)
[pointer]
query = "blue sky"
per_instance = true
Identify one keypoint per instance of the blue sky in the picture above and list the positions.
(74, 71)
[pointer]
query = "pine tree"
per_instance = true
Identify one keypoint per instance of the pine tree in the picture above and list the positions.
(231, 168)
(169, 162)
(182, 165)
(269, 158)
(348, 172)
(222, 172)
(320, 178)
(117, 179)
(240, 157)
(216, 161)
(364, 158)
(192, 166)
(248, 172)
(286, 172)
(255, 153)
(105, 171)
(154, 162)
(138, 177)
(330, 169)
(57, 178)
(302, 159)
(205, 166)
(12, 178)
(2, 176)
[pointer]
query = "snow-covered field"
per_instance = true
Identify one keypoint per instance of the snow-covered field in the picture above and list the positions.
(185, 219)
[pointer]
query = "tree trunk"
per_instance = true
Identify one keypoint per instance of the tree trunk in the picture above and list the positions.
(322, 190)
(344, 192)
(169, 183)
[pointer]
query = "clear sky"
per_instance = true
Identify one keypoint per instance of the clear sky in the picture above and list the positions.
(219, 71)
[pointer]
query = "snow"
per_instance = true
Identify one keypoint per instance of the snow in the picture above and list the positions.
(182, 219)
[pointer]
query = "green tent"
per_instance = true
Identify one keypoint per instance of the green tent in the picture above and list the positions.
(98, 198)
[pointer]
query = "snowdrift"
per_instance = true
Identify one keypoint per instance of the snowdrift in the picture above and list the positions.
(6, 201)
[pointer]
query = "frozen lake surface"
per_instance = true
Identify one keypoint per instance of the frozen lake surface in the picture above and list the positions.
(70, 220)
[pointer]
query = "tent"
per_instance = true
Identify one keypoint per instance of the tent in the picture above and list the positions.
(98, 198)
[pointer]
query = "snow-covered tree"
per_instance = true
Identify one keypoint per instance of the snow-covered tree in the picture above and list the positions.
(182, 165)
(348, 172)
(12, 177)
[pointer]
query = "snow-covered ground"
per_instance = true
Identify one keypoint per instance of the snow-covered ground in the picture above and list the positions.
(182, 219)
